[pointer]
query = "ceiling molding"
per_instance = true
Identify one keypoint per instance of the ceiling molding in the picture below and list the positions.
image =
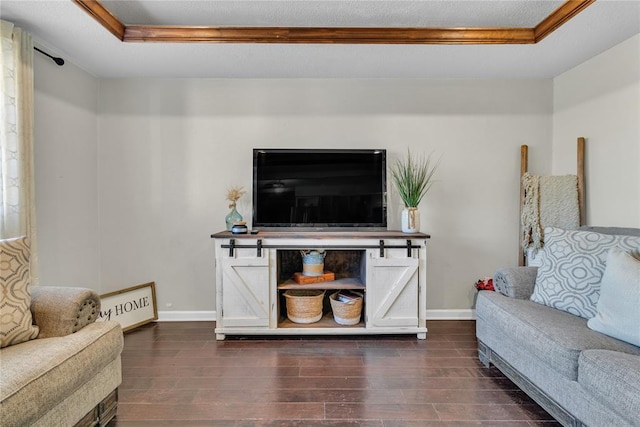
(332, 35)
(558, 17)
(103, 16)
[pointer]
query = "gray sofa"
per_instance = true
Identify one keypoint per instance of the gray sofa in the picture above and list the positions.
(580, 376)
(69, 374)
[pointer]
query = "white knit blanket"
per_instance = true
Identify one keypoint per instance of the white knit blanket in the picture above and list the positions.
(549, 201)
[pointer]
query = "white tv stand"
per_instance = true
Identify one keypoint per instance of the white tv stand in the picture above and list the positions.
(253, 271)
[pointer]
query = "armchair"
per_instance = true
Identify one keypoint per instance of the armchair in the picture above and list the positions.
(69, 374)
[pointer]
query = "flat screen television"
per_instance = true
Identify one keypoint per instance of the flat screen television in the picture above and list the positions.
(324, 189)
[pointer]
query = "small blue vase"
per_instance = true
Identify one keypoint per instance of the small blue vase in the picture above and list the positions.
(233, 217)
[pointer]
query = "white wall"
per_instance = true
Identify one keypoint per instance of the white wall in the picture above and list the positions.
(66, 135)
(131, 174)
(600, 100)
(169, 149)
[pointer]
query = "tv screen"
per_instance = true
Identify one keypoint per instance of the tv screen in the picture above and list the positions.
(319, 189)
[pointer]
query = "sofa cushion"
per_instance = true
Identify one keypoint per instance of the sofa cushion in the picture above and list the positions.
(619, 304)
(15, 314)
(38, 374)
(571, 266)
(553, 336)
(613, 377)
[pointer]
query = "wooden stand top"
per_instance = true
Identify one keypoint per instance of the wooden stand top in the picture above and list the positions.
(293, 234)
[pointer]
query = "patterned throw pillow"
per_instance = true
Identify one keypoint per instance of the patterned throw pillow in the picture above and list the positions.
(572, 263)
(15, 300)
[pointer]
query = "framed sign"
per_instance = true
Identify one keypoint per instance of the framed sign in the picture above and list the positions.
(131, 307)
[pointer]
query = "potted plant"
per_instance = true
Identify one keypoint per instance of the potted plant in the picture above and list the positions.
(413, 178)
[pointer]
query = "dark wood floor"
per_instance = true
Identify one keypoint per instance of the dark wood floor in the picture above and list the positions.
(177, 374)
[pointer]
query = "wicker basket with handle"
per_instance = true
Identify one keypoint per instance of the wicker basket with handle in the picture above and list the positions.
(346, 313)
(304, 305)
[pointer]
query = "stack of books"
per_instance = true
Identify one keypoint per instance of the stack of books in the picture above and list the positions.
(348, 296)
(301, 279)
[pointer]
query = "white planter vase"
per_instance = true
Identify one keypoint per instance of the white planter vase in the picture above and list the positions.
(410, 220)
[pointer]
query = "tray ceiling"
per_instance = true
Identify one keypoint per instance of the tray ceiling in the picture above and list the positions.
(65, 29)
(515, 13)
(545, 18)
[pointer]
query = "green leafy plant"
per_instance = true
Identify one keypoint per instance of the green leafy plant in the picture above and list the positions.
(414, 177)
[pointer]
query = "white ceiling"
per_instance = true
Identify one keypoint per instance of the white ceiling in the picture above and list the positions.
(349, 13)
(64, 29)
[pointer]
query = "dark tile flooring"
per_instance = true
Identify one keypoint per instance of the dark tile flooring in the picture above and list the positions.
(177, 374)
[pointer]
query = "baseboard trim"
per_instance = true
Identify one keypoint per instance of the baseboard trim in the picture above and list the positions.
(207, 316)
(460, 314)
(186, 316)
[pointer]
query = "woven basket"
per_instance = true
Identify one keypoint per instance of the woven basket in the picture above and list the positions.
(304, 306)
(346, 313)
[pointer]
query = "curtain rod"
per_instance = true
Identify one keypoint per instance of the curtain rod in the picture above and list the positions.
(58, 61)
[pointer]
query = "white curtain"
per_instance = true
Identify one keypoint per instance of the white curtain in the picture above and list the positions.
(17, 194)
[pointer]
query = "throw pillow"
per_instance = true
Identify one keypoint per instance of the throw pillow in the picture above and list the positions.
(15, 300)
(619, 304)
(572, 263)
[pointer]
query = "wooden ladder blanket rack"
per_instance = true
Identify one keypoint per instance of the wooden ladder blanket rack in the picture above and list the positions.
(524, 160)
